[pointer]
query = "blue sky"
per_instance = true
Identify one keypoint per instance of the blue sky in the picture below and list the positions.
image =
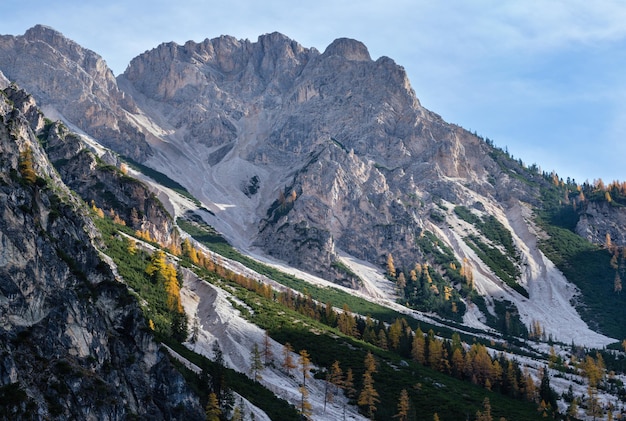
(545, 79)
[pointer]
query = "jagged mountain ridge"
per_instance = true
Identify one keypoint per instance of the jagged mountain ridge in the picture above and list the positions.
(230, 111)
(74, 342)
(244, 124)
(75, 83)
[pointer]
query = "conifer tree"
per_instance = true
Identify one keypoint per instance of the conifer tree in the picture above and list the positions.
(418, 350)
(572, 409)
(403, 406)
(305, 365)
(336, 376)
(346, 322)
(305, 405)
(348, 384)
(256, 366)
(594, 407)
(172, 288)
(156, 266)
(370, 363)
(382, 340)
(25, 166)
(213, 410)
(268, 355)
(288, 363)
(401, 283)
(369, 397)
(485, 414)
(391, 269)
(435, 353)
(131, 246)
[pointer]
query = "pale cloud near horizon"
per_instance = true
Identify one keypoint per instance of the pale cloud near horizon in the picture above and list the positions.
(544, 78)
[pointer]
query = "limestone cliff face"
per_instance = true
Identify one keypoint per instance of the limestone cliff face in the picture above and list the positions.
(74, 84)
(74, 344)
(597, 219)
(345, 133)
(292, 149)
(341, 136)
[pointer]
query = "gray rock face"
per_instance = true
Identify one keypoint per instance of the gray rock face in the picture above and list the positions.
(74, 343)
(601, 218)
(76, 83)
(296, 150)
(345, 133)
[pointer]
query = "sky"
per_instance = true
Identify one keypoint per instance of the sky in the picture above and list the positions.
(544, 80)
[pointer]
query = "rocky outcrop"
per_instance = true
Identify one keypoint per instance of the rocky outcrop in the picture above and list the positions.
(75, 85)
(73, 341)
(599, 218)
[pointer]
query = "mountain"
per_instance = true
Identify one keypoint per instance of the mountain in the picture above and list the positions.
(326, 165)
(74, 342)
(76, 84)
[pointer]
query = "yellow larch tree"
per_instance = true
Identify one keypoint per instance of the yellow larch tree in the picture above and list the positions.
(391, 269)
(25, 166)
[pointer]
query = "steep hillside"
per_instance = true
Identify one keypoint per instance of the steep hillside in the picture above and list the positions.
(74, 343)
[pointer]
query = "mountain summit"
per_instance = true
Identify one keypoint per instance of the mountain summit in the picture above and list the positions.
(317, 160)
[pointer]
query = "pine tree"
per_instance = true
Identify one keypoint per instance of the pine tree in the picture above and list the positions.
(346, 322)
(172, 288)
(435, 353)
(25, 166)
(305, 405)
(288, 363)
(594, 407)
(268, 355)
(336, 376)
(256, 365)
(401, 283)
(370, 363)
(391, 269)
(368, 396)
(131, 246)
(593, 370)
(156, 266)
(485, 415)
(382, 340)
(305, 365)
(348, 384)
(458, 363)
(572, 409)
(403, 406)
(418, 350)
(546, 394)
(530, 389)
(213, 410)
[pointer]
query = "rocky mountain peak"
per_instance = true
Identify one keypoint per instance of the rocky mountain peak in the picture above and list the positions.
(46, 34)
(349, 49)
(77, 86)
